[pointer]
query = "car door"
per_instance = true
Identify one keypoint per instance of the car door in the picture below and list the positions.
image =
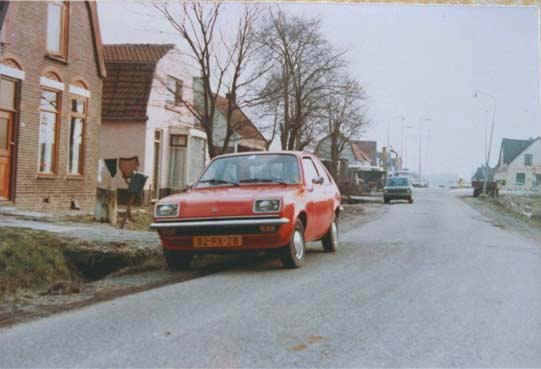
(328, 191)
(315, 207)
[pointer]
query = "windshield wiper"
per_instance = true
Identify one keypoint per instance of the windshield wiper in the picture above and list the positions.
(262, 180)
(215, 181)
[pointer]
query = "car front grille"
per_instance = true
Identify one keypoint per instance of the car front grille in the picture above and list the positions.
(396, 190)
(216, 230)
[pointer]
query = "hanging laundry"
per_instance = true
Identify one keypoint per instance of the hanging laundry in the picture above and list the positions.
(111, 165)
(128, 165)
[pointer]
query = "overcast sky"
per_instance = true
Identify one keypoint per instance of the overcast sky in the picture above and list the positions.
(417, 63)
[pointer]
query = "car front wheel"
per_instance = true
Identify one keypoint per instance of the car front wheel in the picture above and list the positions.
(293, 254)
(330, 240)
(177, 260)
(410, 200)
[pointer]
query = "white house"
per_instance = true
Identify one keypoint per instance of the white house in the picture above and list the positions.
(143, 115)
(519, 164)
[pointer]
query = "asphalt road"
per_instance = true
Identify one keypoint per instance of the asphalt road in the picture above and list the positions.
(429, 284)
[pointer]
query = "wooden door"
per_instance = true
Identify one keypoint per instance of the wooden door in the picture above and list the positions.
(6, 148)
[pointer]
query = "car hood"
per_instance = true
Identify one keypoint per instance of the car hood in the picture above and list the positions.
(226, 201)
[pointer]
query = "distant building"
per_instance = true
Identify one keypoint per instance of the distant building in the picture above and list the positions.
(246, 136)
(519, 164)
(353, 152)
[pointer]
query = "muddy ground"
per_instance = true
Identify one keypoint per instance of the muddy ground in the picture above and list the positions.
(150, 272)
(516, 213)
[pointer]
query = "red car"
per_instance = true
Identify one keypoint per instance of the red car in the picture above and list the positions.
(252, 201)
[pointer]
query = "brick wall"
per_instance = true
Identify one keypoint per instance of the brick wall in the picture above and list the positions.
(26, 39)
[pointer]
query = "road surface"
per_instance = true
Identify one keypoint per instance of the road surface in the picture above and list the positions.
(429, 284)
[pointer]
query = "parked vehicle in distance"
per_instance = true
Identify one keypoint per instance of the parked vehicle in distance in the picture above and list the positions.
(492, 188)
(252, 201)
(398, 188)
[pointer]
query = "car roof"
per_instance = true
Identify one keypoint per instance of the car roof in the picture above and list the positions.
(281, 152)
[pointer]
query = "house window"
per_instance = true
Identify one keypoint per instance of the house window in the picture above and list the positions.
(57, 28)
(177, 147)
(48, 130)
(174, 91)
(77, 135)
(521, 179)
(537, 180)
(7, 94)
(528, 160)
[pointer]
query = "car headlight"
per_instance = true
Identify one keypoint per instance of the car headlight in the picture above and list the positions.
(166, 210)
(267, 206)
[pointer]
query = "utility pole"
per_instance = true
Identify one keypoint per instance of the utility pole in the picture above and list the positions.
(420, 157)
(487, 162)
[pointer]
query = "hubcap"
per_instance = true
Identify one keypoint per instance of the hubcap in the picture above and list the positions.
(298, 242)
(334, 234)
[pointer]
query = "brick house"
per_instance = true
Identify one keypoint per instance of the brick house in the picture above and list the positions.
(50, 104)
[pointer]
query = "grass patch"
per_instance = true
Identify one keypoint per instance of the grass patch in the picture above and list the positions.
(32, 260)
(140, 221)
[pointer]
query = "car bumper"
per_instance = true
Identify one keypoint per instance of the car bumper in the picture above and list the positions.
(398, 196)
(179, 235)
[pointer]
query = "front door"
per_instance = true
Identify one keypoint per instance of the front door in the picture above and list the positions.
(6, 131)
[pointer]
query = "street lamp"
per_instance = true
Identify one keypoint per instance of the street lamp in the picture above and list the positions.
(475, 95)
(423, 120)
(404, 146)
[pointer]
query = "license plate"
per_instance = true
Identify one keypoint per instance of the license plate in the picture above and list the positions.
(217, 241)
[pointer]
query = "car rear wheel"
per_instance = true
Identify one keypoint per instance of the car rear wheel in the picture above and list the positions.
(386, 200)
(177, 260)
(410, 200)
(330, 240)
(293, 254)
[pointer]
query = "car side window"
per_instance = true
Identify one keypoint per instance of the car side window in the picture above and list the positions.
(324, 173)
(310, 170)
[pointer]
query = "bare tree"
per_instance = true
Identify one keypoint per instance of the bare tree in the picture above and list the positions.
(345, 117)
(301, 61)
(222, 62)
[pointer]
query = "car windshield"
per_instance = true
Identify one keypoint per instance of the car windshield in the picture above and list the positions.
(397, 181)
(242, 169)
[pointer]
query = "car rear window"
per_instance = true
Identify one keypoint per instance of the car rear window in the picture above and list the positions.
(397, 181)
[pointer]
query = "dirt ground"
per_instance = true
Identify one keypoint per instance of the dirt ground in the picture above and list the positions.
(516, 213)
(150, 272)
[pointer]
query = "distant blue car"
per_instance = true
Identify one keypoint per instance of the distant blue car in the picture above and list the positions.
(398, 188)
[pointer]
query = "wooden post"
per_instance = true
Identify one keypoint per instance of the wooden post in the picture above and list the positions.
(106, 206)
(127, 214)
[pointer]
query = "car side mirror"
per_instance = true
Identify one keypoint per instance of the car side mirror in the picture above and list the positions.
(318, 180)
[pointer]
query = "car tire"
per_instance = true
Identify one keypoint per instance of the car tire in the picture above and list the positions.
(177, 260)
(293, 254)
(330, 240)
(410, 200)
(386, 200)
